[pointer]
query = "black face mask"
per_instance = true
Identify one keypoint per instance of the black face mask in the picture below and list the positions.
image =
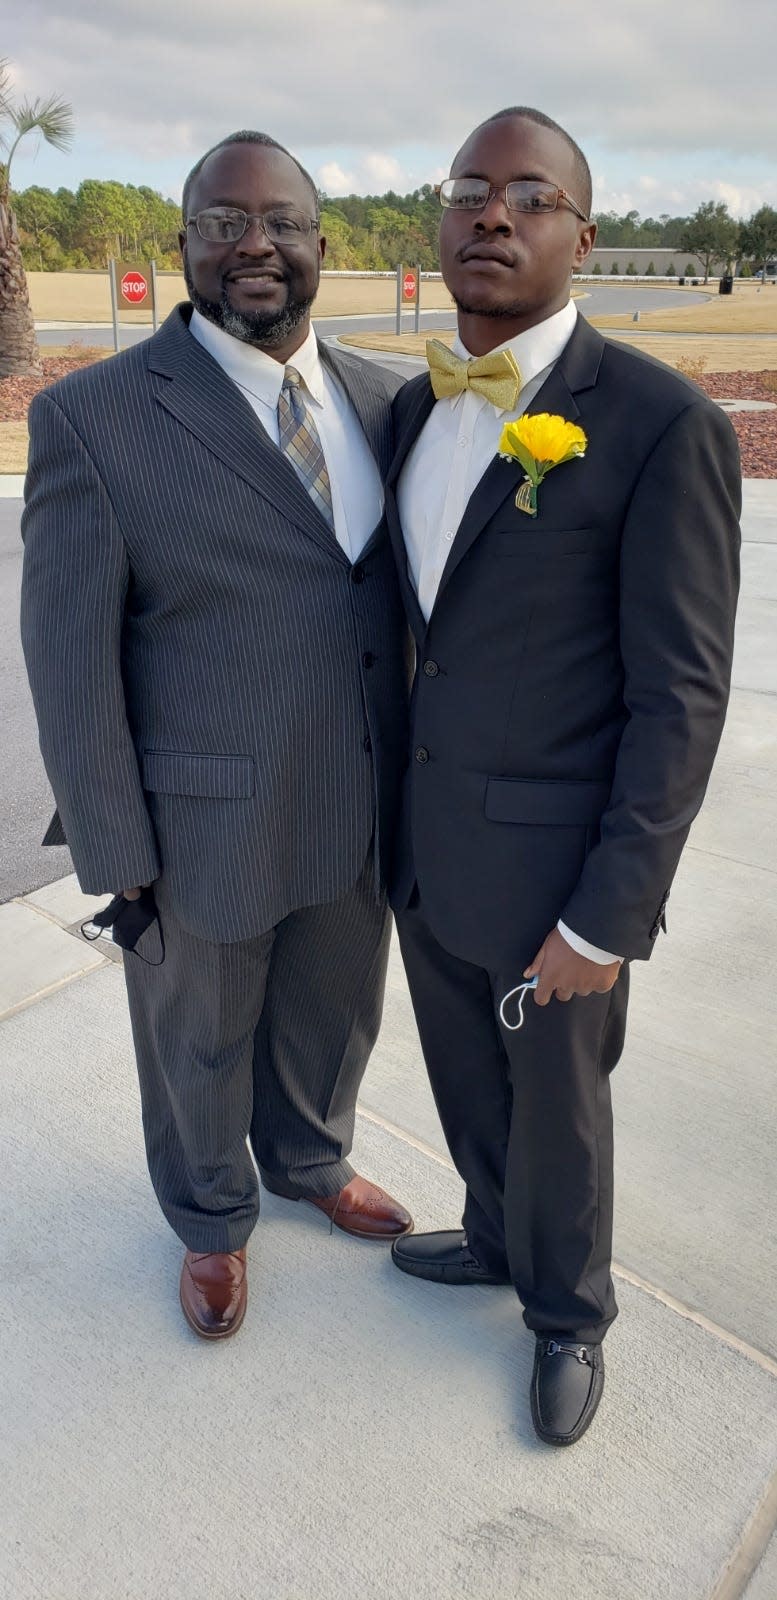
(128, 921)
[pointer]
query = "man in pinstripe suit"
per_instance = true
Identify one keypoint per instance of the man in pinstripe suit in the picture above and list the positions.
(217, 657)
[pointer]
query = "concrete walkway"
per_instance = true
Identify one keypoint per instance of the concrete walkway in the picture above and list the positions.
(365, 1436)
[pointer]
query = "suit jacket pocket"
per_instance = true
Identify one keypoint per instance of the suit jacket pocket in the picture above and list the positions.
(211, 777)
(546, 802)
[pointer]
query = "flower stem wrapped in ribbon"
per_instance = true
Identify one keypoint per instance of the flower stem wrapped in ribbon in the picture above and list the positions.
(539, 443)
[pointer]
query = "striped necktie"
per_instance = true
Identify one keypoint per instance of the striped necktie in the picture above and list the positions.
(299, 441)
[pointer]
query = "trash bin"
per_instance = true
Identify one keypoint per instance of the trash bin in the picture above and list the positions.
(681, 281)
(726, 284)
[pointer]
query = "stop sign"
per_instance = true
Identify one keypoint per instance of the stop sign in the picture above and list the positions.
(409, 286)
(134, 288)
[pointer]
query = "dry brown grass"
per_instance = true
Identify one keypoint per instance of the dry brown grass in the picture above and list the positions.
(85, 297)
(752, 308)
(13, 447)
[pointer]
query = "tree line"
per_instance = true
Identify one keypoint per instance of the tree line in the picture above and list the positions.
(64, 230)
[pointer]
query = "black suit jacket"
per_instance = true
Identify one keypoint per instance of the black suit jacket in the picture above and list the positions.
(221, 695)
(573, 679)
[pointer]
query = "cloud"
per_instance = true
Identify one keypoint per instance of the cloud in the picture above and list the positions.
(358, 85)
(331, 178)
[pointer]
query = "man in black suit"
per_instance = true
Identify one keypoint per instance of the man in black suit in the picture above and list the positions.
(574, 652)
(217, 653)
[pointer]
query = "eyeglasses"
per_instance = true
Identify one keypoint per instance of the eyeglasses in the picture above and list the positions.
(524, 194)
(226, 224)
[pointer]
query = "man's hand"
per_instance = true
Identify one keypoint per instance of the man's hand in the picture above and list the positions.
(563, 972)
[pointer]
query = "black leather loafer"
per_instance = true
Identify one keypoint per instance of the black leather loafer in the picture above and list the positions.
(442, 1257)
(566, 1388)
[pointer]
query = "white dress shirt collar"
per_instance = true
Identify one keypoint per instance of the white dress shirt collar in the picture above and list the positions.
(255, 372)
(535, 349)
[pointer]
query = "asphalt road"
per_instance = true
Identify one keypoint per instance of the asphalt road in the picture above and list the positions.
(598, 301)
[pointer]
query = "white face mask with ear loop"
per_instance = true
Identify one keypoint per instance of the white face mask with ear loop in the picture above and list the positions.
(520, 989)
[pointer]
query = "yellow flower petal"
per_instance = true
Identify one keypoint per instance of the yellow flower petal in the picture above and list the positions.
(549, 439)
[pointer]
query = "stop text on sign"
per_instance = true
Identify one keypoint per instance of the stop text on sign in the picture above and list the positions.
(409, 285)
(134, 288)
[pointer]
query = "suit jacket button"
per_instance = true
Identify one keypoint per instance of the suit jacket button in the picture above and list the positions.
(422, 754)
(431, 669)
(368, 744)
(357, 574)
(368, 659)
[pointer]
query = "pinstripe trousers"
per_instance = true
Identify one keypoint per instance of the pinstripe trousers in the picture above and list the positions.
(254, 1047)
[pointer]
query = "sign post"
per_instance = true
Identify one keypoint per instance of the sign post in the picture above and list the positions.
(417, 325)
(114, 306)
(400, 275)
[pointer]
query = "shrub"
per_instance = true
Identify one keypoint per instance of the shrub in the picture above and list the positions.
(745, 270)
(671, 271)
(650, 270)
(614, 270)
(690, 269)
(631, 271)
(596, 269)
(692, 367)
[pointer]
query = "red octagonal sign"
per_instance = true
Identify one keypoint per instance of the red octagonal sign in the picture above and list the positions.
(134, 288)
(409, 286)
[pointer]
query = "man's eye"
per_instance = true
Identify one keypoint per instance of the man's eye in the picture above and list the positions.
(285, 225)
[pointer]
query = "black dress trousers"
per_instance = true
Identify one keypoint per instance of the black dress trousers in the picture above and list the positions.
(528, 1121)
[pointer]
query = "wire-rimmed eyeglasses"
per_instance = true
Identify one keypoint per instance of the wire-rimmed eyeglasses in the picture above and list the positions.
(227, 224)
(523, 194)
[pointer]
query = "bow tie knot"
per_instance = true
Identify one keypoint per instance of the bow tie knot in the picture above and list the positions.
(497, 376)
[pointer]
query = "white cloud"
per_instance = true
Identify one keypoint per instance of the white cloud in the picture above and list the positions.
(331, 178)
(347, 84)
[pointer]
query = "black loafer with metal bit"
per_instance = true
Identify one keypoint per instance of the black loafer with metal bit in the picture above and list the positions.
(566, 1388)
(444, 1258)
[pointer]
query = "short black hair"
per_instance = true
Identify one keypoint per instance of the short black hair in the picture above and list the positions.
(582, 169)
(244, 136)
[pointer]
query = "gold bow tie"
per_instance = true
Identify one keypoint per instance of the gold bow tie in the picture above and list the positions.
(496, 377)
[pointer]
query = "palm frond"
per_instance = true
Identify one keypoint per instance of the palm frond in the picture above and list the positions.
(6, 86)
(52, 117)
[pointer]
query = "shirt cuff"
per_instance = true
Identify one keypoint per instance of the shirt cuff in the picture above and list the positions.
(604, 958)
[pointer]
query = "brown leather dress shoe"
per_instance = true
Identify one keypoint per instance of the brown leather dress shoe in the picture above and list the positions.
(361, 1208)
(214, 1292)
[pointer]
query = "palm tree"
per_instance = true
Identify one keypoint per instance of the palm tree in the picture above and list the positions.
(19, 353)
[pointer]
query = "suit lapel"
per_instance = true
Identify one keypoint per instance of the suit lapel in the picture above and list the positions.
(576, 369)
(422, 402)
(204, 400)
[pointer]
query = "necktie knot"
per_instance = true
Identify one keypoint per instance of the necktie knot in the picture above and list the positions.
(496, 376)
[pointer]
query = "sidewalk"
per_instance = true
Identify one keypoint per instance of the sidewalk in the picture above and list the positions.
(366, 1436)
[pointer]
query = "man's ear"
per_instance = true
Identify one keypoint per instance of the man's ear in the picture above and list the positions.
(585, 244)
(321, 247)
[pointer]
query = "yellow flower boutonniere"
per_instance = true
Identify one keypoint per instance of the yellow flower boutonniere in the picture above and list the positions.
(539, 443)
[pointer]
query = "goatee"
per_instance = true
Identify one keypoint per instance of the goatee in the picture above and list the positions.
(263, 328)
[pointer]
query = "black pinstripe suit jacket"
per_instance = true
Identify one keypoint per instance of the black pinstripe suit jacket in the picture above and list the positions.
(220, 694)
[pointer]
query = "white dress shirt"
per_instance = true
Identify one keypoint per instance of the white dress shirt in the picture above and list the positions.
(357, 493)
(456, 445)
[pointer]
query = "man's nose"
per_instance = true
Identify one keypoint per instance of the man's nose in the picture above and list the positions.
(255, 241)
(495, 216)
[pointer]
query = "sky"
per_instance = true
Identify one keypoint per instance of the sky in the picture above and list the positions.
(673, 101)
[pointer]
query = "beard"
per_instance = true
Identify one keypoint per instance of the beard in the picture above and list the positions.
(267, 329)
